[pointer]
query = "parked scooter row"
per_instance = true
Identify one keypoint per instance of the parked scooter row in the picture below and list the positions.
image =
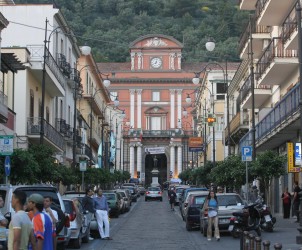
(254, 217)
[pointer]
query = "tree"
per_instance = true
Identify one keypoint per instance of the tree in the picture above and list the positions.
(268, 165)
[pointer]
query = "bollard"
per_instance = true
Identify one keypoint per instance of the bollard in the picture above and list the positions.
(266, 244)
(278, 246)
(258, 243)
(252, 240)
(246, 241)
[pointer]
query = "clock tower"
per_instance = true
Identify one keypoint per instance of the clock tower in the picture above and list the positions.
(156, 53)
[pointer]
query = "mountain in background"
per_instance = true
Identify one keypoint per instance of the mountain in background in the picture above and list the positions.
(108, 26)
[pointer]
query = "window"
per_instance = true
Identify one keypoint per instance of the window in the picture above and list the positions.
(47, 114)
(221, 89)
(40, 108)
(68, 121)
(113, 95)
(155, 96)
(61, 109)
(155, 123)
(31, 104)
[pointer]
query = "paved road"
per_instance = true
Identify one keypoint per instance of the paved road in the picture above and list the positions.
(152, 225)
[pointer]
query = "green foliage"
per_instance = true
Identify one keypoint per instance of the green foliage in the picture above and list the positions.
(108, 26)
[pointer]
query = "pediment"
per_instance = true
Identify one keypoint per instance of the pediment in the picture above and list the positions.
(156, 110)
(156, 41)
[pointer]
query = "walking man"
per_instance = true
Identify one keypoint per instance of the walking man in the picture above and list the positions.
(296, 203)
(42, 224)
(172, 197)
(20, 227)
(102, 210)
(88, 205)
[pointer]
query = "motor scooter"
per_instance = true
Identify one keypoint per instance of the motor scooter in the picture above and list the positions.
(267, 221)
(247, 220)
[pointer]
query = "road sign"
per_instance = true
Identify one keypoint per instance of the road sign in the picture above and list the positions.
(298, 153)
(7, 165)
(83, 166)
(6, 144)
(246, 153)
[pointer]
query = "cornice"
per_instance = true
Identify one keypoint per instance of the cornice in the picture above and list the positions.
(154, 80)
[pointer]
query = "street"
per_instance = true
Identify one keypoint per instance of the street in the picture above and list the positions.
(152, 225)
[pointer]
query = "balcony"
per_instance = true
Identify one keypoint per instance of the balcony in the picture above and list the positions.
(52, 137)
(85, 152)
(239, 126)
(261, 94)
(289, 32)
(95, 140)
(276, 63)
(247, 4)
(96, 104)
(266, 11)
(137, 133)
(64, 128)
(3, 108)
(259, 33)
(54, 78)
(279, 125)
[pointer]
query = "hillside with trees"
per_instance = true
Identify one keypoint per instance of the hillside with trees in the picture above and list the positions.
(108, 26)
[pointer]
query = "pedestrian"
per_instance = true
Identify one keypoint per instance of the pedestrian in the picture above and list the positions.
(296, 202)
(3, 224)
(42, 224)
(88, 204)
(102, 214)
(286, 200)
(53, 216)
(211, 205)
(172, 198)
(20, 227)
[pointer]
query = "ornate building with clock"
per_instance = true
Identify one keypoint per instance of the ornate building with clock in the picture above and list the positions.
(152, 89)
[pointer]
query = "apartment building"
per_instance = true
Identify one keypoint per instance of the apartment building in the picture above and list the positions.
(269, 50)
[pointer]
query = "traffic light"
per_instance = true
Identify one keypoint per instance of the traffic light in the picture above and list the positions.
(138, 174)
(210, 120)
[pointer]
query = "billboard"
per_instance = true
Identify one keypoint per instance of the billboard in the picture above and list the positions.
(195, 144)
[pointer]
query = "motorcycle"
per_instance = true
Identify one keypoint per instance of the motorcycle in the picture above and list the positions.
(267, 221)
(247, 220)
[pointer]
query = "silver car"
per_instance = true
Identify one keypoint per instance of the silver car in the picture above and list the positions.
(125, 193)
(154, 193)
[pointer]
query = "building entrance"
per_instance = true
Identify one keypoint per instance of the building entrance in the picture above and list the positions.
(161, 166)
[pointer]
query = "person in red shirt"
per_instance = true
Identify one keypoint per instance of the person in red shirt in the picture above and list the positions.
(286, 200)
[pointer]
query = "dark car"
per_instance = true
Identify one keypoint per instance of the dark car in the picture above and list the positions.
(134, 192)
(192, 216)
(114, 202)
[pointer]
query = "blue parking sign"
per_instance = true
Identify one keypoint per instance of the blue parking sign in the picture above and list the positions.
(246, 153)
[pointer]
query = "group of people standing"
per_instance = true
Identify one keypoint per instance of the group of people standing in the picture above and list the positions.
(287, 202)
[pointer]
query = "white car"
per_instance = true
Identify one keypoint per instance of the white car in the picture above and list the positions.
(154, 193)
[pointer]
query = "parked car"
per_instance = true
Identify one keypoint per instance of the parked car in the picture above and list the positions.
(228, 203)
(133, 191)
(192, 214)
(79, 224)
(62, 226)
(125, 194)
(178, 190)
(114, 202)
(184, 198)
(154, 193)
(141, 190)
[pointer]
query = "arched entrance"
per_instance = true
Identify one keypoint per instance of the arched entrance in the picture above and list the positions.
(161, 166)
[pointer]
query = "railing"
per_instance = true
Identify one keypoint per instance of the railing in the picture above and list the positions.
(289, 25)
(260, 7)
(275, 49)
(63, 127)
(36, 52)
(3, 106)
(282, 111)
(86, 150)
(240, 119)
(256, 29)
(159, 133)
(34, 127)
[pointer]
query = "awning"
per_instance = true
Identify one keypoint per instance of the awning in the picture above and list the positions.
(9, 62)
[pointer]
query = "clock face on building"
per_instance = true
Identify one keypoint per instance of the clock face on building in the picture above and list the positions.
(156, 62)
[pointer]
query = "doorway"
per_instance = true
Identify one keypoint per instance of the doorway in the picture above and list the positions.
(161, 166)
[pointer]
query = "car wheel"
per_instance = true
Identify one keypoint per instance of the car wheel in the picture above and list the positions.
(161, 199)
(61, 218)
(77, 242)
(188, 227)
(85, 239)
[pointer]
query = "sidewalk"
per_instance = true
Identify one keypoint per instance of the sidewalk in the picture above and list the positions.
(285, 232)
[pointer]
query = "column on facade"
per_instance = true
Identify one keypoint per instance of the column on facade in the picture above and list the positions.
(139, 158)
(139, 108)
(139, 60)
(179, 91)
(132, 92)
(132, 160)
(172, 159)
(179, 61)
(132, 60)
(179, 159)
(172, 108)
(171, 61)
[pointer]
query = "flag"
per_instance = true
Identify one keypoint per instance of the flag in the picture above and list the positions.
(141, 135)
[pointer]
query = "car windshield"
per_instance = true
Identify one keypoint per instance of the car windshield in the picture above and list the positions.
(199, 200)
(110, 196)
(179, 190)
(122, 194)
(229, 200)
(68, 206)
(154, 189)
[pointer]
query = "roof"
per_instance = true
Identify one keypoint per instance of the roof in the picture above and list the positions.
(186, 66)
(9, 62)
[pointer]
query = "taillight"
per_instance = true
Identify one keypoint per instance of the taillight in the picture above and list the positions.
(147, 192)
(67, 221)
(73, 215)
(159, 192)
(232, 219)
(206, 213)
